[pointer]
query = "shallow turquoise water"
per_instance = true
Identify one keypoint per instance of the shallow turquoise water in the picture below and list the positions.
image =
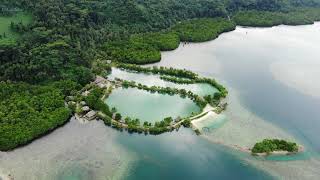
(212, 123)
(150, 107)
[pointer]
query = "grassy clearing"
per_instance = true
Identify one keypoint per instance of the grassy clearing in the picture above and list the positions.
(5, 22)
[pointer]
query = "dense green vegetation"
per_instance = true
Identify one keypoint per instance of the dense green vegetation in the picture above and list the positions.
(177, 80)
(163, 41)
(142, 48)
(28, 112)
(134, 125)
(67, 36)
(132, 52)
(271, 145)
(186, 123)
(145, 48)
(182, 73)
(213, 100)
(197, 131)
(51, 61)
(94, 101)
(106, 119)
(267, 18)
(212, 82)
(200, 30)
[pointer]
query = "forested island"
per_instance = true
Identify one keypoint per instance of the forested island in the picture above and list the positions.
(52, 49)
(274, 146)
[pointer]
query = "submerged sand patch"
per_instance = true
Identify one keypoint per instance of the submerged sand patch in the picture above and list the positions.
(243, 128)
(299, 169)
(75, 151)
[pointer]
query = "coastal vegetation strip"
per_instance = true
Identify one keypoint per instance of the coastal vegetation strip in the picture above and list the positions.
(182, 73)
(177, 80)
(268, 18)
(28, 112)
(114, 119)
(202, 29)
(135, 126)
(145, 48)
(180, 76)
(163, 40)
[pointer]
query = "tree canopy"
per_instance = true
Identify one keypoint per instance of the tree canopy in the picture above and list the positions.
(66, 35)
(270, 145)
(28, 112)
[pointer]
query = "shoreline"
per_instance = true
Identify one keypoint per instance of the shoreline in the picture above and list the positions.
(195, 121)
(248, 150)
(56, 157)
(280, 153)
(105, 83)
(214, 115)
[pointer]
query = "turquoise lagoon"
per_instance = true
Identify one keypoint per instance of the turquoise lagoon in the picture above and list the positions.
(151, 107)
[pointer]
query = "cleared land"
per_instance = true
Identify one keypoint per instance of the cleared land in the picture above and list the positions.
(5, 22)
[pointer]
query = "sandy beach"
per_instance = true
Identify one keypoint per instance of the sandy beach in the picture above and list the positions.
(241, 130)
(244, 128)
(195, 122)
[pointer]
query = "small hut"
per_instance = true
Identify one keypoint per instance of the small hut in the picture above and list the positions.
(178, 119)
(85, 93)
(101, 82)
(85, 109)
(91, 115)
